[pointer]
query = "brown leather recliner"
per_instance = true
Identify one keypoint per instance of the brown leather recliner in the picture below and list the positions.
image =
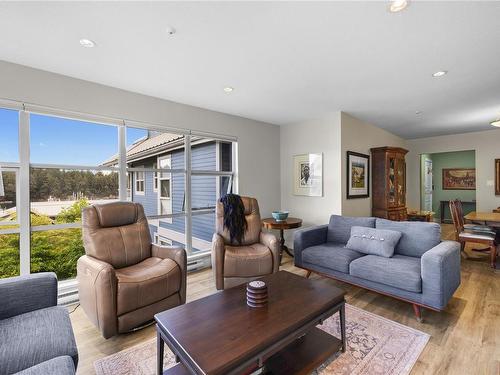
(258, 254)
(124, 279)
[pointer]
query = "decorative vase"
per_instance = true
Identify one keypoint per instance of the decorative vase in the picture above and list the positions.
(256, 293)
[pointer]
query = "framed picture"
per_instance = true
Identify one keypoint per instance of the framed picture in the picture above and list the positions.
(497, 176)
(358, 175)
(308, 175)
(459, 179)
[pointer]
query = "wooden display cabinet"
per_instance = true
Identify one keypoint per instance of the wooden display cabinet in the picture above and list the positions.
(389, 183)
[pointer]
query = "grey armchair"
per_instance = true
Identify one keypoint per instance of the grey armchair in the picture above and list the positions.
(35, 334)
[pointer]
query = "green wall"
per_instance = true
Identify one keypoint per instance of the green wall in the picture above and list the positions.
(458, 159)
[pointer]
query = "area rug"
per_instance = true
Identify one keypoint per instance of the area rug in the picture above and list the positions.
(375, 346)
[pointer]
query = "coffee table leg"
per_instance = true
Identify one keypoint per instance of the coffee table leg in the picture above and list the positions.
(160, 345)
(342, 328)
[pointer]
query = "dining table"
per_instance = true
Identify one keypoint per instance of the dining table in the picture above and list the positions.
(491, 219)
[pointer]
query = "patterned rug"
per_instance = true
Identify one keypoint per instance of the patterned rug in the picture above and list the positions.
(375, 346)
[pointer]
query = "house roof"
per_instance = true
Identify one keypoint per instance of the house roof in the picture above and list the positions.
(146, 147)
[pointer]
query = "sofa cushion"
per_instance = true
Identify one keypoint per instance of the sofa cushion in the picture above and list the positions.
(56, 366)
(145, 283)
(417, 237)
(373, 241)
(330, 255)
(339, 229)
(399, 271)
(37, 336)
(248, 261)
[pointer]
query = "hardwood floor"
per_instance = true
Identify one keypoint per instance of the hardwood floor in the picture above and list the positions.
(465, 338)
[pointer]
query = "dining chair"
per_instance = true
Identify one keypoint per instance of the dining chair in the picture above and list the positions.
(472, 233)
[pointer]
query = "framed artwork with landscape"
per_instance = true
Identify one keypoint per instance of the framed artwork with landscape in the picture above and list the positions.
(459, 179)
(308, 175)
(358, 175)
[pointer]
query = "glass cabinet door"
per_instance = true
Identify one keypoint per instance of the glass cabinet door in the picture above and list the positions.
(400, 182)
(392, 185)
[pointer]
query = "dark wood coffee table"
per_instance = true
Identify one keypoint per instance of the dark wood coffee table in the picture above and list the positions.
(220, 334)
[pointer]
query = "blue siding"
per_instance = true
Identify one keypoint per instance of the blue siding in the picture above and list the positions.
(150, 198)
(203, 191)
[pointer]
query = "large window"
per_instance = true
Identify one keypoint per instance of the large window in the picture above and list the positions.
(52, 167)
(66, 175)
(9, 193)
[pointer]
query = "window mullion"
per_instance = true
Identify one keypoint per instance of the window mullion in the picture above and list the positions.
(187, 185)
(24, 193)
(122, 162)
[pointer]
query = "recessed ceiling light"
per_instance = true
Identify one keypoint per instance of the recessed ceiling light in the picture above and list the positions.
(398, 5)
(440, 73)
(228, 89)
(495, 123)
(87, 43)
(171, 30)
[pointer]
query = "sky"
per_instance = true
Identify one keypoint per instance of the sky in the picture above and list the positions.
(55, 140)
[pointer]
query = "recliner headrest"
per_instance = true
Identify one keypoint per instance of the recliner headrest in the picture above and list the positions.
(116, 214)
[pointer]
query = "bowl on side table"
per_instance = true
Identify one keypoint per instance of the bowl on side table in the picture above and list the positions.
(280, 215)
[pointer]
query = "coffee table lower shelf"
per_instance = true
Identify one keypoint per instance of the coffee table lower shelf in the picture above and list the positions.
(299, 358)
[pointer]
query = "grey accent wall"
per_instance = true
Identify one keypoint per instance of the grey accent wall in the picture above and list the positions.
(360, 136)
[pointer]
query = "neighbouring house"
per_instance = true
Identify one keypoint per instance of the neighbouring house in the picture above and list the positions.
(163, 193)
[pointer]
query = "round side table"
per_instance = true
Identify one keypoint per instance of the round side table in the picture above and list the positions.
(289, 223)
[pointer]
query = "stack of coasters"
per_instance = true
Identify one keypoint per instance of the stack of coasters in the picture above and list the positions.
(256, 293)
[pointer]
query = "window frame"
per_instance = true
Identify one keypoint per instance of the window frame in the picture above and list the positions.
(165, 176)
(155, 178)
(23, 200)
(138, 180)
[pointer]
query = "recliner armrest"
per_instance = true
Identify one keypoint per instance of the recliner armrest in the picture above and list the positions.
(218, 252)
(22, 294)
(268, 239)
(97, 288)
(179, 256)
(307, 237)
(440, 270)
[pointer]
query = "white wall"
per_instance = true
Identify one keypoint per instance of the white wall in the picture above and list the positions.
(487, 147)
(333, 136)
(360, 136)
(315, 136)
(258, 143)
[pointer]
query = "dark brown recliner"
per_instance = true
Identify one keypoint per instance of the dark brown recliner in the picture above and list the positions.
(124, 279)
(258, 254)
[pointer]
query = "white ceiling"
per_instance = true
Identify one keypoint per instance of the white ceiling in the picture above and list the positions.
(288, 61)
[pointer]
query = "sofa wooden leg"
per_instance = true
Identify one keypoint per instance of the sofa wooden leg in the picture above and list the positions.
(418, 313)
(308, 274)
(493, 256)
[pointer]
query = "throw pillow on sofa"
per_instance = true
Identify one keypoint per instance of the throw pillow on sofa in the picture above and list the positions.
(373, 241)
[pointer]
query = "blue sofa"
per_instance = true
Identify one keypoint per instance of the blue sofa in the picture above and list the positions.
(424, 270)
(35, 334)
